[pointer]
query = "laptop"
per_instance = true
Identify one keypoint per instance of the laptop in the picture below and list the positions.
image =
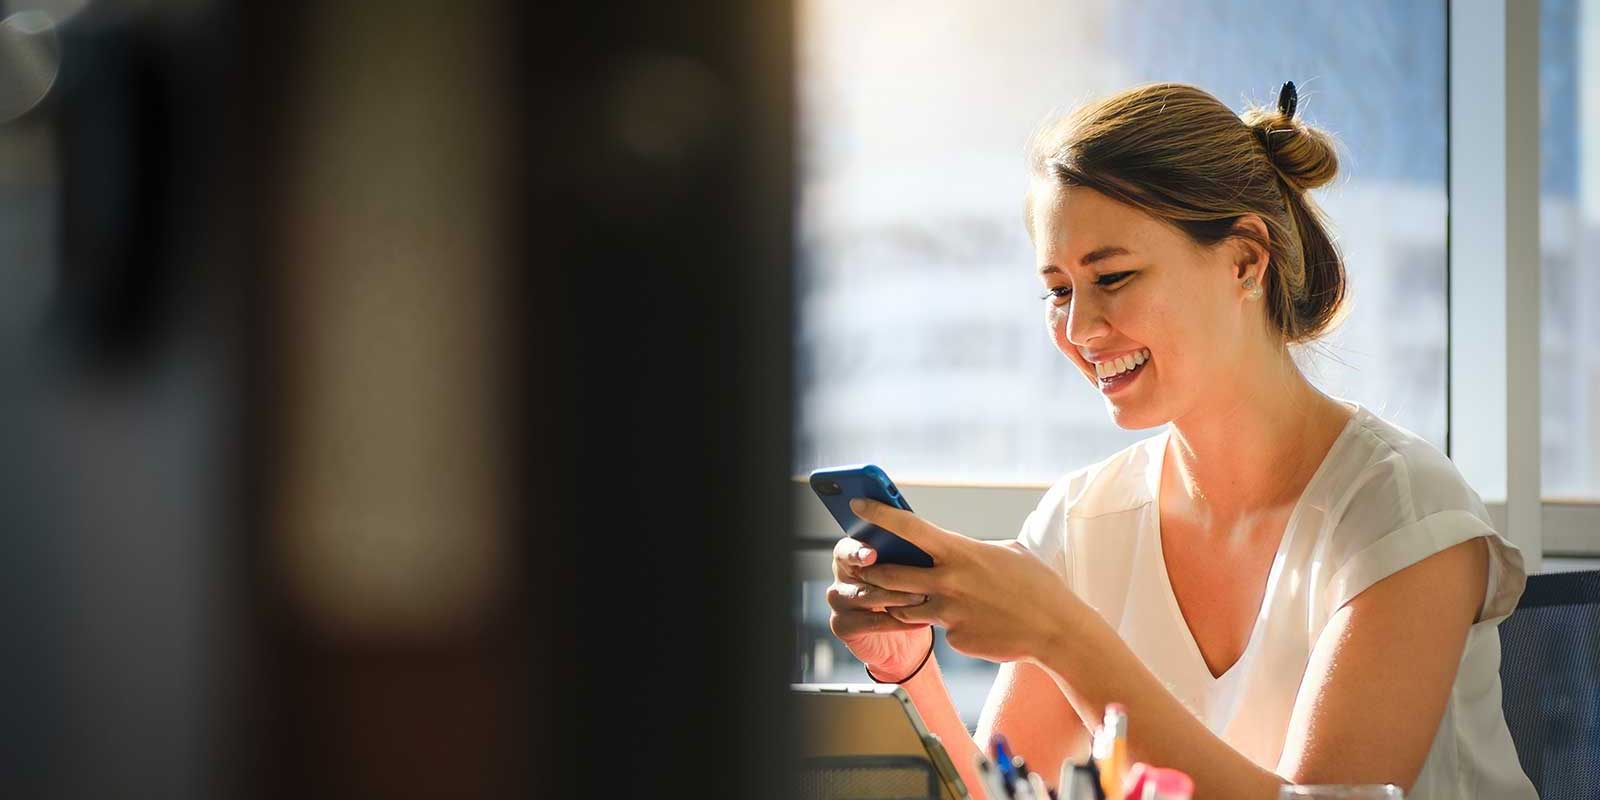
(867, 740)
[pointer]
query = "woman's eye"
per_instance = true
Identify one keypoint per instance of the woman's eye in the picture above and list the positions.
(1061, 293)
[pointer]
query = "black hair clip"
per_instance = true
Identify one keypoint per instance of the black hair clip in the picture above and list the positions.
(1288, 98)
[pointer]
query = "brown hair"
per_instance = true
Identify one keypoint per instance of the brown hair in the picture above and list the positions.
(1179, 154)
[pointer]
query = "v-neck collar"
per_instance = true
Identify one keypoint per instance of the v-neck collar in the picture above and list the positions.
(1156, 463)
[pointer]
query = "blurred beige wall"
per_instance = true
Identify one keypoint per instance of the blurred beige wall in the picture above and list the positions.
(390, 523)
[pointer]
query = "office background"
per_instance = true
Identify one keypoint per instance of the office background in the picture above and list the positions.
(919, 342)
(401, 400)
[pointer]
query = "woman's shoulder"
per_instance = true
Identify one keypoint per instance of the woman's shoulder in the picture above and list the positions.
(1391, 476)
(1397, 500)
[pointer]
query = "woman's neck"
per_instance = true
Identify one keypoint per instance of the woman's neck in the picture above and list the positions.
(1253, 449)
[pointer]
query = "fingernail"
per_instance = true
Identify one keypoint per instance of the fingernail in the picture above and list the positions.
(856, 504)
(922, 598)
(861, 555)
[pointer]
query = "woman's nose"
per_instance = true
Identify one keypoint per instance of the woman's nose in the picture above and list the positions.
(1084, 322)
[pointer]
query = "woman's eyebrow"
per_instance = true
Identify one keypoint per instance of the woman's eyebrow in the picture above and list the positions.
(1098, 254)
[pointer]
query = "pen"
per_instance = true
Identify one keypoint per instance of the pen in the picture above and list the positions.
(1019, 776)
(990, 778)
(1022, 790)
(1111, 750)
(1002, 760)
(1078, 781)
(1038, 787)
(1096, 790)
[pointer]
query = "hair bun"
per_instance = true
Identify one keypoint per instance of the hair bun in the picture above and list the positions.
(1302, 153)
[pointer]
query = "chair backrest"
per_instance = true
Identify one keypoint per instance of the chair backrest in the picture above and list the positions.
(1550, 673)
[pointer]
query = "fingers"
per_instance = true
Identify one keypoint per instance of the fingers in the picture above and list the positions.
(844, 596)
(849, 555)
(895, 577)
(850, 624)
(932, 539)
(920, 614)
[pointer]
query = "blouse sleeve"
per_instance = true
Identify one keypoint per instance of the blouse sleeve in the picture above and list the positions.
(1404, 510)
(1044, 532)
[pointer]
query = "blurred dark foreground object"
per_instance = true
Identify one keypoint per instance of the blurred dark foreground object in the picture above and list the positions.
(393, 417)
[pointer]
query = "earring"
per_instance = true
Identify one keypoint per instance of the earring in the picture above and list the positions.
(1255, 291)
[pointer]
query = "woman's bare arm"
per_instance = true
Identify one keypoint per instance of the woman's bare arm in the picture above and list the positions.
(1381, 673)
(1038, 722)
(1024, 704)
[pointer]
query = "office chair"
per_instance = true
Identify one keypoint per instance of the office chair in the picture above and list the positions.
(1550, 674)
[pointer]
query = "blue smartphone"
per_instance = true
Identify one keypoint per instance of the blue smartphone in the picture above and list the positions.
(836, 486)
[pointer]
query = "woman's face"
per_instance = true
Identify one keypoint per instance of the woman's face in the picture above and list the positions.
(1123, 287)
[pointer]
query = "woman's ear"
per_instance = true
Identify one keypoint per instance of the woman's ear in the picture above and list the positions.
(1251, 255)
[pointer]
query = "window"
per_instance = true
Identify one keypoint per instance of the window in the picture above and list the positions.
(921, 341)
(1569, 382)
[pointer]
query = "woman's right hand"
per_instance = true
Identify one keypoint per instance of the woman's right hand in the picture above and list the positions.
(891, 649)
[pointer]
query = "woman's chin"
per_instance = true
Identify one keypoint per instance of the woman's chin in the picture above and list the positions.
(1131, 418)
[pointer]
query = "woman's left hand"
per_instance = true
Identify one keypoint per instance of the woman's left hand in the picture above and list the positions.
(995, 600)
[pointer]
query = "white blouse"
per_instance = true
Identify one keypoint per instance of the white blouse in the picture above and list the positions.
(1382, 499)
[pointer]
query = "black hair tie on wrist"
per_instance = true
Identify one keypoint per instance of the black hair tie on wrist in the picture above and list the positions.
(914, 672)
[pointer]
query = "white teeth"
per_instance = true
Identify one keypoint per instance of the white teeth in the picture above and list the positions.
(1121, 364)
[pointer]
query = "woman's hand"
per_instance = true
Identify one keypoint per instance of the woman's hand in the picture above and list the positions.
(890, 648)
(995, 600)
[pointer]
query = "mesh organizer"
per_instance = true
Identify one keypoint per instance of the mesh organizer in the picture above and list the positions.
(1550, 674)
(867, 778)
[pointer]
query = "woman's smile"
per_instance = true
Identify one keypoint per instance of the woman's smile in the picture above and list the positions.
(1117, 382)
(1113, 375)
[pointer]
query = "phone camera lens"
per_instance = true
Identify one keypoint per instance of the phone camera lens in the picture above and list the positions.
(830, 488)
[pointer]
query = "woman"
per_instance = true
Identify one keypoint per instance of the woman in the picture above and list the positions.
(1280, 586)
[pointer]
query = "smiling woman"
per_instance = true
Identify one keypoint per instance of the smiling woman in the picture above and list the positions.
(1202, 176)
(1244, 581)
(1201, 180)
(917, 334)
